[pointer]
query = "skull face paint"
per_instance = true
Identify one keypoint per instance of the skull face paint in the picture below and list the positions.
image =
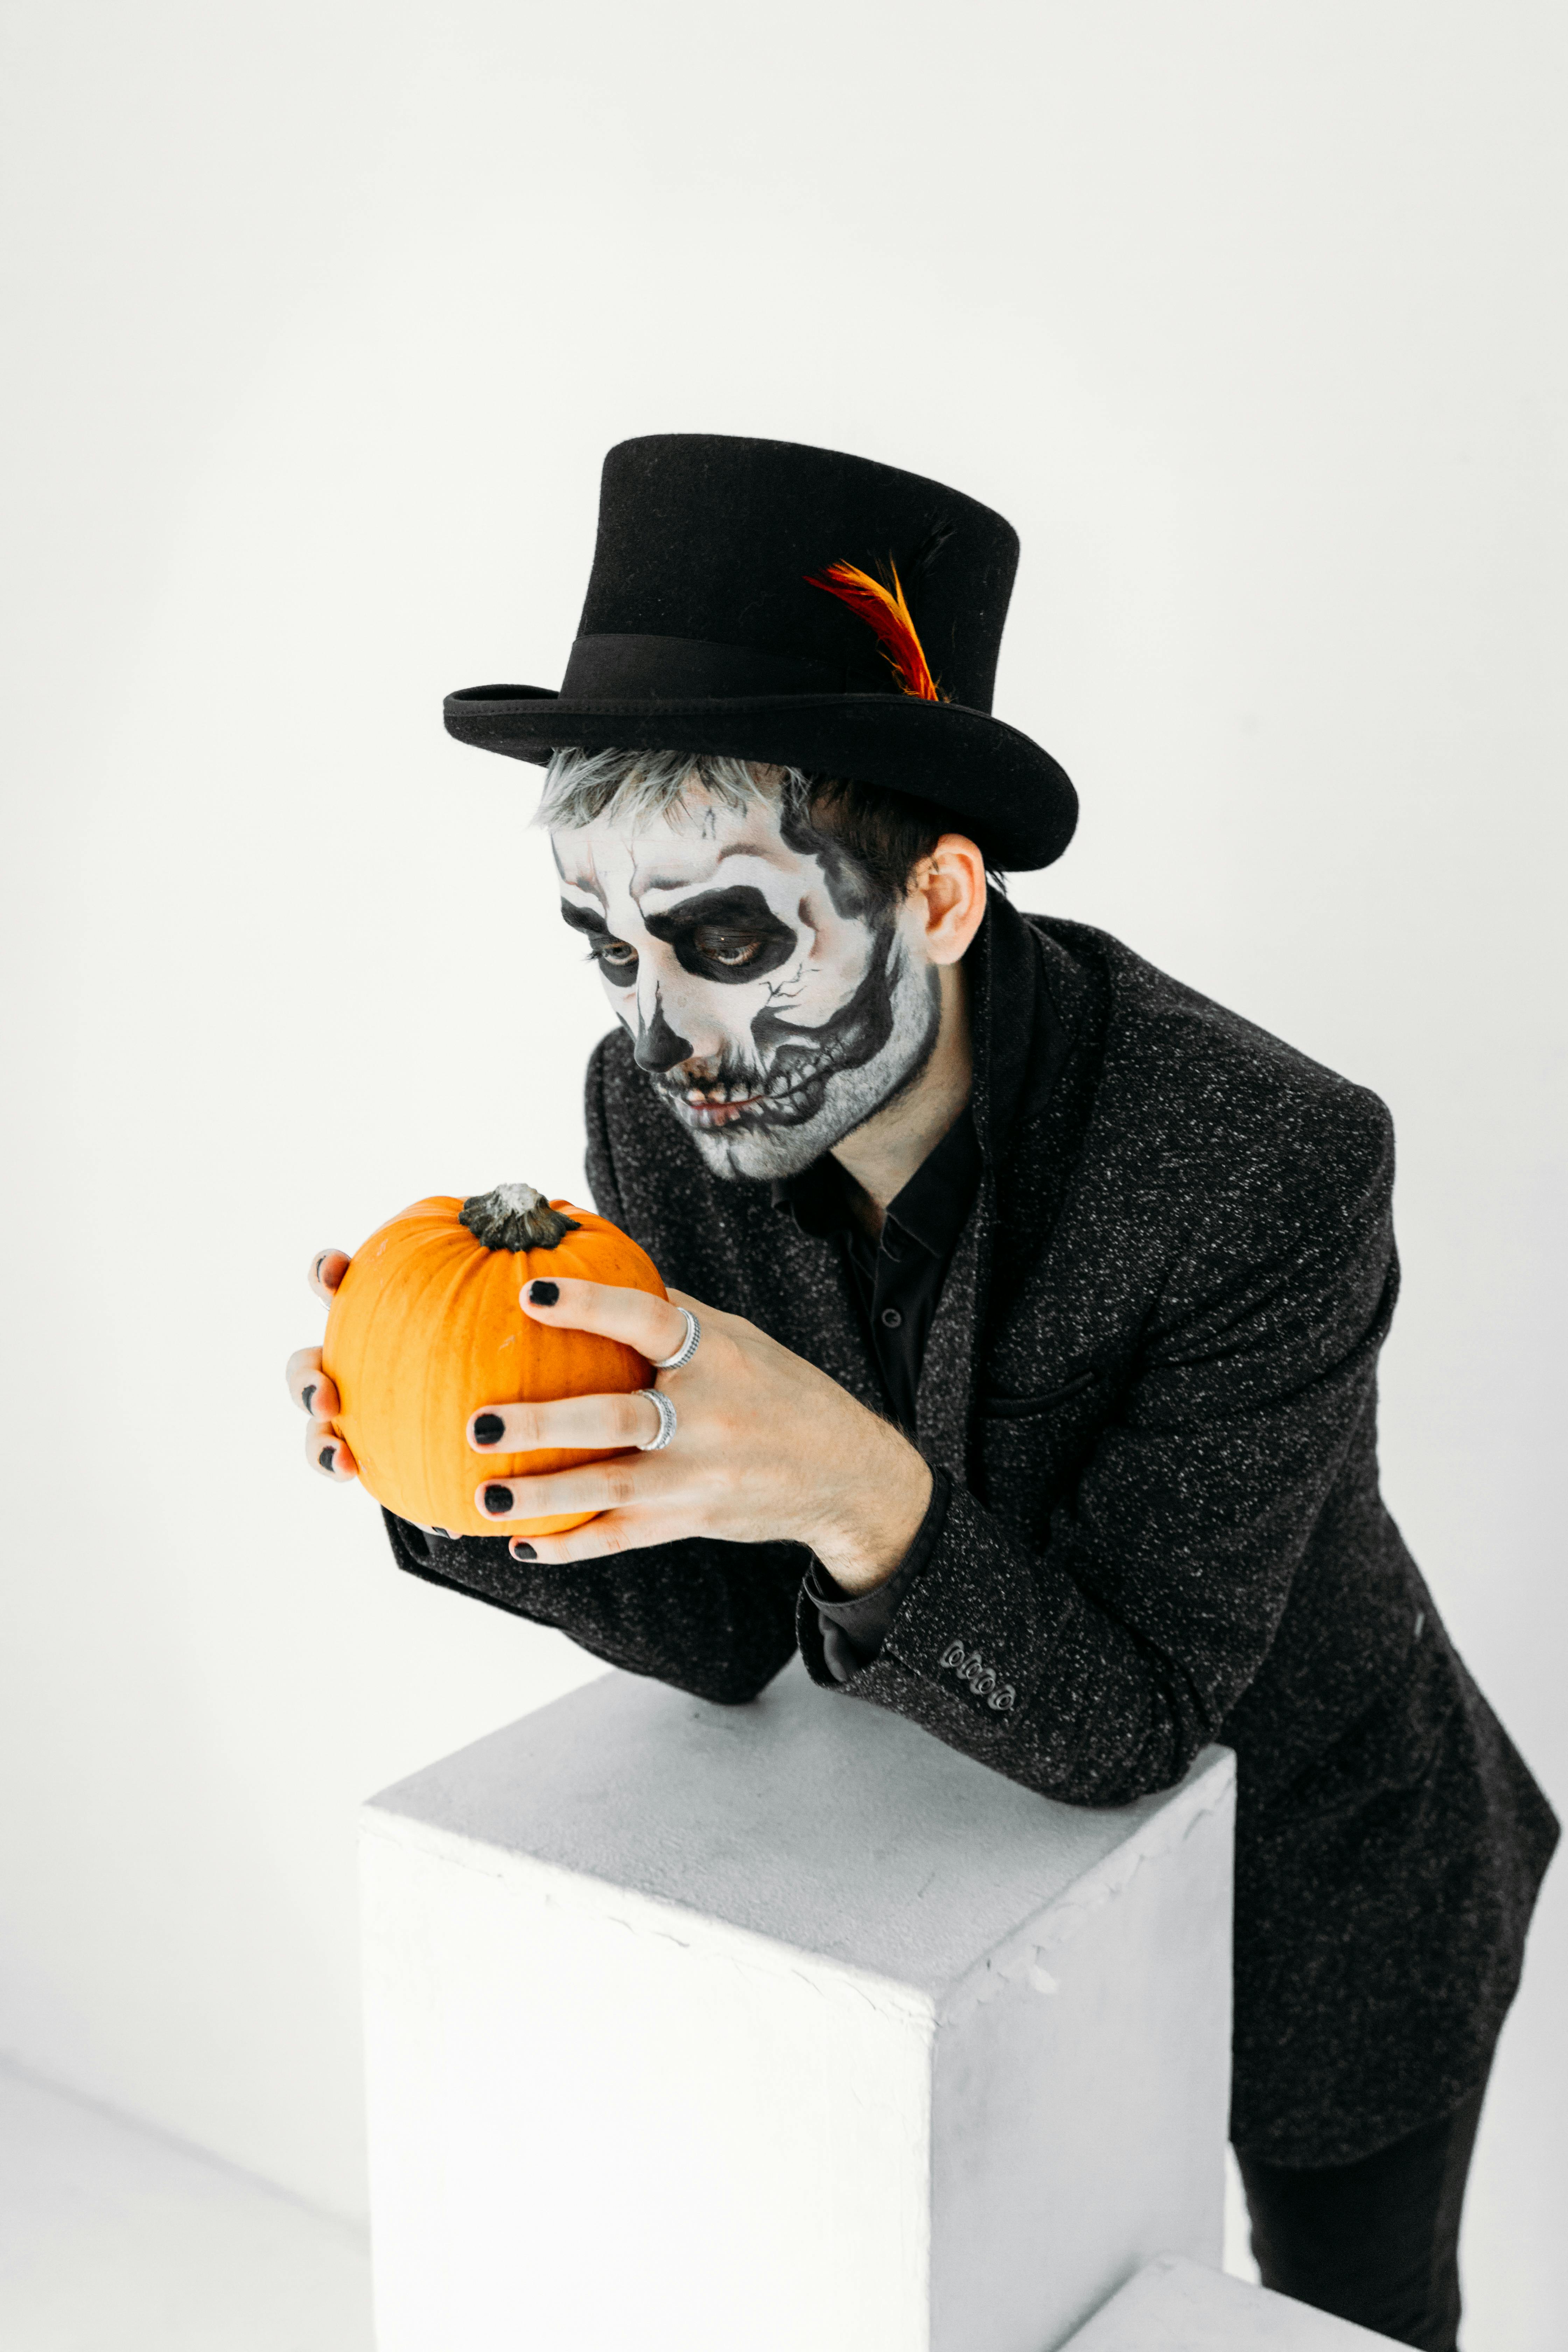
(773, 999)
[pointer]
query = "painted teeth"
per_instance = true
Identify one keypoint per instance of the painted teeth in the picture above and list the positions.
(719, 1097)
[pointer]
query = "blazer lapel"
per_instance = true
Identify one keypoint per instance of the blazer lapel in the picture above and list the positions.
(944, 1397)
(1005, 975)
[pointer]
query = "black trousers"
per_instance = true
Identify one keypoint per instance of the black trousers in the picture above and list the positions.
(1378, 2241)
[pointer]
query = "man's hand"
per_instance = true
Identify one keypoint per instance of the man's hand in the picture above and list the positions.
(767, 1447)
(312, 1391)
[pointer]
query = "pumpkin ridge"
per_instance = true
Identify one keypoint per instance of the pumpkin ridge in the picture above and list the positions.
(410, 1332)
(394, 1329)
(455, 1316)
(359, 1334)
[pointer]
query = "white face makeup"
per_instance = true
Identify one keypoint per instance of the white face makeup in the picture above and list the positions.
(774, 1001)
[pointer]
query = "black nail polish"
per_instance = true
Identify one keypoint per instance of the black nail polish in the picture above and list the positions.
(498, 1501)
(488, 1428)
(521, 1550)
(543, 1293)
(310, 1396)
(325, 1456)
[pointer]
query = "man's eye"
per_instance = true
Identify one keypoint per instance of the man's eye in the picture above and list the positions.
(616, 956)
(733, 949)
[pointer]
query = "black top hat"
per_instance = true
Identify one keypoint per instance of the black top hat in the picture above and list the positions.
(710, 625)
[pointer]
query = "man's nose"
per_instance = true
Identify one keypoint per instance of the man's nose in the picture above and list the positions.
(679, 1019)
(658, 1047)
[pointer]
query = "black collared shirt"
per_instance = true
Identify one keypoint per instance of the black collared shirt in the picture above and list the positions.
(898, 1277)
(898, 1280)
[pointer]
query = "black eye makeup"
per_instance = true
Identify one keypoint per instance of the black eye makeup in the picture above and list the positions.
(615, 957)
(725, 935)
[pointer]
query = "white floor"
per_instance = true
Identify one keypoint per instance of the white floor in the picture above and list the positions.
(1239, 2259)
(115, 2239)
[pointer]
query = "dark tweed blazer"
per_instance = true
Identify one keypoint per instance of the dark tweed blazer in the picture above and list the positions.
(1151, 1378)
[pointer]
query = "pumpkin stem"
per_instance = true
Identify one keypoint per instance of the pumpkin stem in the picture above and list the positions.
(515, 1217)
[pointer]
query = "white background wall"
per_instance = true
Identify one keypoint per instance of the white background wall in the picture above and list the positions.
(321, 320)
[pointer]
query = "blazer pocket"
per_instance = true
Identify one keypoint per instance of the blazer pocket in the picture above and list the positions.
(1388, 1751)
(1014, 1407)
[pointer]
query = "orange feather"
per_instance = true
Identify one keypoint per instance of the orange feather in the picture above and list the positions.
(890, 615)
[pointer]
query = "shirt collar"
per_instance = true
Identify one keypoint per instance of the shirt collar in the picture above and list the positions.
(817, 1197)
(929, 1211)
(937, 1198)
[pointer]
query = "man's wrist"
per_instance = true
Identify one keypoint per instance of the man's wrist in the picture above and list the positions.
(854, 1627)
(882, 1521)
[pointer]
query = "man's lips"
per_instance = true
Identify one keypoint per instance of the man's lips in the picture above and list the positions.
(719, 1107)
(715, 1107)
(719, 1114)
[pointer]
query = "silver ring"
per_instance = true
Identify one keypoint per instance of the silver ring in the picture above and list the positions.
(686, 1350)
(668, 1424)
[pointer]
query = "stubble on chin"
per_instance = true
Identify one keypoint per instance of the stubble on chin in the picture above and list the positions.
(762, 1154)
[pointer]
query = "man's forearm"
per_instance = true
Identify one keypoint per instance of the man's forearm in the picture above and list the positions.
(715, 1618)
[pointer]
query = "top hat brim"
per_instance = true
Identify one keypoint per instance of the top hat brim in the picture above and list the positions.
(1011, 797)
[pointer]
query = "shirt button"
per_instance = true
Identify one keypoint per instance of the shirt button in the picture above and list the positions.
(891, 1317)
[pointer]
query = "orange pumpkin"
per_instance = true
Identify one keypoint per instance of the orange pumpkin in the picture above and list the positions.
(426, 1328)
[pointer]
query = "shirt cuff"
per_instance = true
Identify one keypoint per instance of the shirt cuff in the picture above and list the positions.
(855, 1625)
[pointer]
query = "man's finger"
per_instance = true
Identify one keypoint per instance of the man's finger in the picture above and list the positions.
(309, 1385)
(325, 1452)
(328, 1268)
(624, 1480)
(615, 1531)
(652, 1325)
(570, 1422)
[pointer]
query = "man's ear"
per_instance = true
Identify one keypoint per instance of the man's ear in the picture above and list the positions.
(950, 889)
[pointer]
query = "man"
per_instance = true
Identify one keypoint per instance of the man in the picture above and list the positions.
(1022, 1363)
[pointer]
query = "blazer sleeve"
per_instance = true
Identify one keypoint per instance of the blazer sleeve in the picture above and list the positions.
(1094, 1665)
(715, 1618)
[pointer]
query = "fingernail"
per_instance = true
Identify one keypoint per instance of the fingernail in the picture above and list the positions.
(498, 1501)
(521, 1550)
(543, 1293)
(488, 1428)
(327, 1456)
(308, 1398)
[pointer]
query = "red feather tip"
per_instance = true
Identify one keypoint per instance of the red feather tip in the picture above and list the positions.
(888, 614)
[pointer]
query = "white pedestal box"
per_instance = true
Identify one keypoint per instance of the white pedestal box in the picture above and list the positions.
(782, 2027)
(1174, 2305)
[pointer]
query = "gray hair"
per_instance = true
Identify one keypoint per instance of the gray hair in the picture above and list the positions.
(870, 838)
(630, 787)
